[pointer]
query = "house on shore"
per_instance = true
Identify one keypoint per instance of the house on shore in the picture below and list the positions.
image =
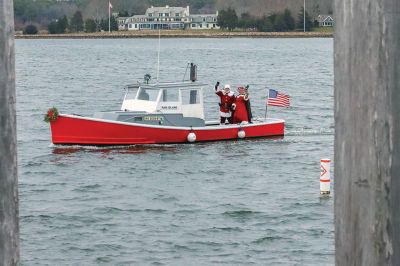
(122, 23)
(325, 21)
(168, 18)
(204, 22)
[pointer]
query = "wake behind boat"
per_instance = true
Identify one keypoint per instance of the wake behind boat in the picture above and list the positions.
(156, 114)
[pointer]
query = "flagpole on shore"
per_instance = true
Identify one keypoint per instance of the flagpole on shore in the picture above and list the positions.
(304, 16)
(109, 16)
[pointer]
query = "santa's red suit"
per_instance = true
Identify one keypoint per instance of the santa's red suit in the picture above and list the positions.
(226, 101)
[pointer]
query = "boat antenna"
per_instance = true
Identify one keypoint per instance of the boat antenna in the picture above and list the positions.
(159, 44)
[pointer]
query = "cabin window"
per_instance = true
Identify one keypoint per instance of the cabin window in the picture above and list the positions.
(131, 94)
(190, 97)
(170, 96)
(147, 94)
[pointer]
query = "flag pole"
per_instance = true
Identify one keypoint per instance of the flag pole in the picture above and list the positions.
(109, 16)
(266, 106)
(304, 16)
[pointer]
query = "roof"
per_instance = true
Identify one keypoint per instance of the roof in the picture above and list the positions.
(166, 9)
(168, 85)
(139, 16)
(208, 17)
(322, 18)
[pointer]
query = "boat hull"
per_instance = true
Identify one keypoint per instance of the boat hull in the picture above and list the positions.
(77, 130)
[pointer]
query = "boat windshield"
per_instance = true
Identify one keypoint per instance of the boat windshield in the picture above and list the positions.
(131, 94)
(147, 94)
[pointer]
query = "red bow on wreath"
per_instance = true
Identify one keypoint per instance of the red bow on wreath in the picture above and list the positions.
(51, 115)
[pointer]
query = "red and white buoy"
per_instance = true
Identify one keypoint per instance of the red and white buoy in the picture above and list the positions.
(325, 177)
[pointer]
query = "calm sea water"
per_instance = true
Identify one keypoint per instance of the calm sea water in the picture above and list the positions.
(233, 203)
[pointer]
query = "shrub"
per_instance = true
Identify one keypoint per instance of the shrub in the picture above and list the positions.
(30, 29)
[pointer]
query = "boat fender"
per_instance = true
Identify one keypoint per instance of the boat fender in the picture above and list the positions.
(241, 134)
(191, 137)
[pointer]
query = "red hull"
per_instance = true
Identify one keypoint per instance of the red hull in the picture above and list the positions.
(69, 129)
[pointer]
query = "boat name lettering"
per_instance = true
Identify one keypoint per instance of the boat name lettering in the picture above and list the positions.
(170, 107)
(153, 118)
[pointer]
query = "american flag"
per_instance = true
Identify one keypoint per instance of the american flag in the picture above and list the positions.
(276, 98)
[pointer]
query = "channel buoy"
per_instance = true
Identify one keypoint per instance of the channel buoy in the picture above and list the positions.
(325, 177)
(191, 137)
(241, 134)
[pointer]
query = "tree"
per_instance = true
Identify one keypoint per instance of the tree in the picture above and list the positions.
(227, 19)
(76, 24)
(247, 21)
(62, 24)
(58, 26)
(30, 29)
(113, 24)
(266, 23)
(300, 21)
(52, 27)
(90, 25)
(279, 23)
(123, 13)
(289, 20)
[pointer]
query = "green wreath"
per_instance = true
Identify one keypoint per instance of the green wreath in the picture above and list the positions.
(51, 115)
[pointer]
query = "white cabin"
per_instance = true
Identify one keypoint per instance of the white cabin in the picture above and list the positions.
(184, 98)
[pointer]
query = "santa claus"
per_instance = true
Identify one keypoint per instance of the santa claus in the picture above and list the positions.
(226, 100)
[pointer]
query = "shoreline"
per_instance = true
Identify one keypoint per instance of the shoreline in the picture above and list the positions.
(177, 34)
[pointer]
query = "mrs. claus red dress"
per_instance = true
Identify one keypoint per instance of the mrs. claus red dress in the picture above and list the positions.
(240, 113)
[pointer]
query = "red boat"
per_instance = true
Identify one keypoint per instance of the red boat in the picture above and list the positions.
(155, 114)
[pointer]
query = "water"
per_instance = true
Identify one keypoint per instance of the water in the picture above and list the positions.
(233, 203)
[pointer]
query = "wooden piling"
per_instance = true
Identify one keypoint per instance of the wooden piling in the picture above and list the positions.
(367, 132)
(9, 229)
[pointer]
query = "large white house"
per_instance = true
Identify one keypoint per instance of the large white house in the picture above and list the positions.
(168, 18)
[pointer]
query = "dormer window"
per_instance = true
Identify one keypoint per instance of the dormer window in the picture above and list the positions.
(150, 14)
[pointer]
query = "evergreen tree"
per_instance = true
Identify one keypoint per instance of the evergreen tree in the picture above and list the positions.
(289, 20)
(123, 14)
(247, 21)
(53, 27)
(113, 24)
(62, 24)
(266, 23)
(300, 21)
(90, 25)
(76, 24)
(104, 24)
(228, 19)
(279, 23)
